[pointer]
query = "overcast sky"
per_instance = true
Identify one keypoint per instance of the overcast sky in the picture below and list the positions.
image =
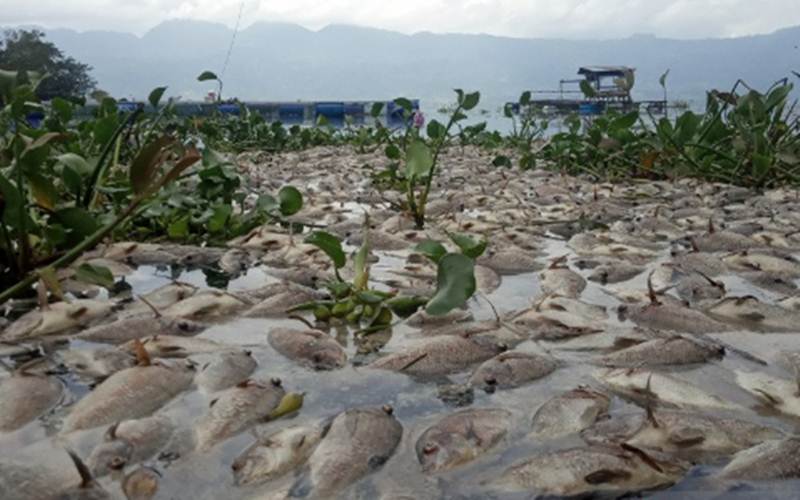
(520, 18)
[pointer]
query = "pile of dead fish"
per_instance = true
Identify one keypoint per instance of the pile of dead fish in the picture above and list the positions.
(625, 338)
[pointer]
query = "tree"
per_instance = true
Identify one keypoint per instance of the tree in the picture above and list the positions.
(23, 50)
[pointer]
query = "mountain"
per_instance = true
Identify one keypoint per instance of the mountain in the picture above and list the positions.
(276, 61)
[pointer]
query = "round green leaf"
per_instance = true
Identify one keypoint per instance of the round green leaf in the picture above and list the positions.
(468, 245)
(291, 201)
(329, 244)
(419, 160)
(207, 75)
(455, 284)
(431, 249)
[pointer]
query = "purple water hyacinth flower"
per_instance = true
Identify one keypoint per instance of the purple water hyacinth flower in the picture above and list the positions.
(419, 119)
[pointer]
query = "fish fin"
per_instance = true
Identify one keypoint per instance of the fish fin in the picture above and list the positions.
(772, 400)
(142, 356)
(644, 456)
(150, 306)
(86, 476)
(651, 292)
(111, 432)
(602, 476)
(559, 262)
(212, 402)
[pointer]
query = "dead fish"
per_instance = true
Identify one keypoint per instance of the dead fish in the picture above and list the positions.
(226, 370)
(754, 314)
(439, 355)
(97, 364)
(560, 280)
(645, 385)
(130, 442)
(511, 261)
(581, 471)
(781, 394)
(774, 282)
(57, 318)
(569, 413)
(486, 279)
(461, 437)
(696, 288)
(664, 315)
(24, 397)
(674, 350)
(143, 254)
(141, 483)
(136, 327)
(615, 272)
(130, 393)
(378, 240)
(708, 264)
(311, 348)
(722, 241)
(171, 346)
(422, 319)
(238, 260)
(771, 460)
(558, 318)
(751, 261)
(275, 454)
(236, 409)
(305, 276)
(205, 304)
(512, 369)
(359, 441)
(262, 238)
(160, 298)
(687, 435)
(279, 303)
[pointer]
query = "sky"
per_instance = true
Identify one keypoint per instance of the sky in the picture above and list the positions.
(517, 18)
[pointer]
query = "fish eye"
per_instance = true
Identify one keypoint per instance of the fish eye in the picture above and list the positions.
(276, 382)
(183, 326)
(430, 449)
(388, 409)
(117, 463)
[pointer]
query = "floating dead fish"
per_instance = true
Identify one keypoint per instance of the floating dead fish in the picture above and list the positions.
(771, 460)
(302, 276)
(24, 397)
(57, 318)
(751, 261)
(262, 238)
(238, 260)
(131, 393)
(205, 304)
(422, 319)
(615, 272)
(723, 241)
(130, 442)
(705, 263)
(773, 282)
(461, 437)
(751, 313)
(695, 289)
(581, 471)
(439, 355)
(512, 369)
(278, 304)
(275, 454)
(160, 299)
(560, 280)
(236, 409)
(358, 442)
(665, 315)
(645, 385)
(97, 364)
(226, 370)
(514, 261)
(674, 350)
(780, 394)
(569, 413)
(558, 318)
(486, 279)
(171, 346)
(141, 483)
(136, 327)
(688, 435)
(311, 348)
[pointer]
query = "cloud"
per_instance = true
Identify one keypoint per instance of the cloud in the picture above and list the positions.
(520, 18)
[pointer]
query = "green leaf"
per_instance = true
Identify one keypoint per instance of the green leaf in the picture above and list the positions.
(624, 122)
(404, 103)
(104, 128)
(392, 152)
(360, 262)
(406, 306)
(370, 297)
(50, 279)
(219, 220)
(502, 161)
(96, 275)
(525, 98)
(419, 160)
(155, 96)
(79, 223)
(42, 190)
(587, 89)
(179, 229)
(455, 284)
(76, 162)
(663, 79)
(376, 110)
(436, 130)
(12, 200)
(291, 200)
(329, 244)
(267, 203)
(468, 245)
(207, 75)
(63, 109)
(8, 82)
(471, 100)
(144, 166)
(431, 249)
(72, 180)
